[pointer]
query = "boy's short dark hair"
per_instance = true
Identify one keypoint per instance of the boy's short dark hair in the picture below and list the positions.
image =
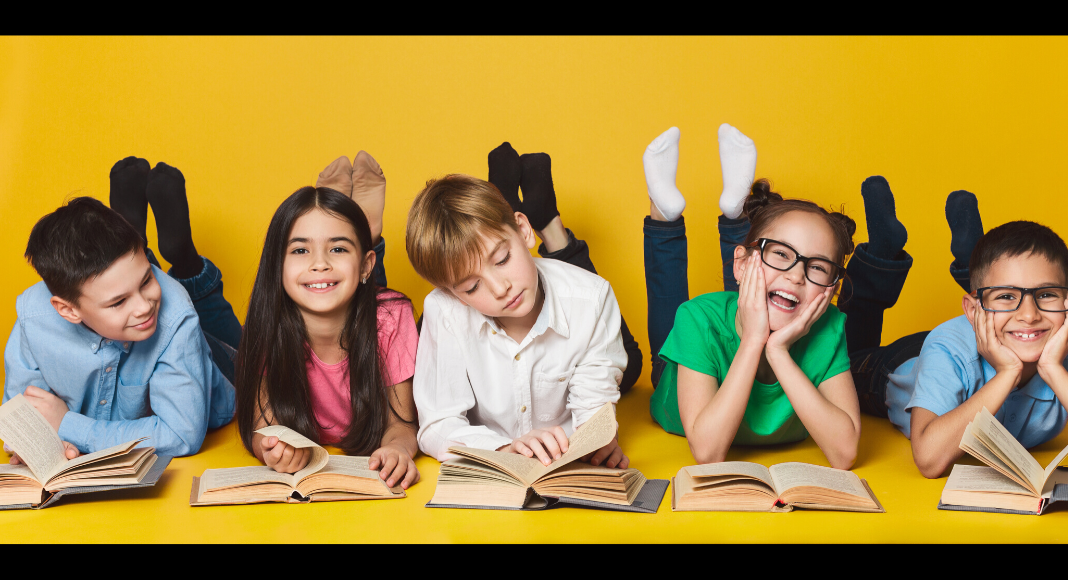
(1016, 239)
(76, 242)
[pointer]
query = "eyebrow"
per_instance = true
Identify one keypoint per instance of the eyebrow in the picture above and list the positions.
(335, 239)
(488, 254)
(144, 279)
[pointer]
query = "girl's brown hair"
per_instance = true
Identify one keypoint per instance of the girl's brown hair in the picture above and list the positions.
(764, 206)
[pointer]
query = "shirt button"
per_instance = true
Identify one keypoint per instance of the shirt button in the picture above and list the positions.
(561, 379)
(103, 401)
(125, 345)
(517, 357)
(107, 370)
(108, 342)
(1012, 417)
(523, 409)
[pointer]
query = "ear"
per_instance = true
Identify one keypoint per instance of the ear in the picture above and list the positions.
(970, 305)
(740, 253)
(68, 311)
(526, 232)
(369, 260)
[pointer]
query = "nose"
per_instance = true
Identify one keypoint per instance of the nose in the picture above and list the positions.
(796, 273)
(1028, 311)
(498, 286)
(141, 305)
(321, 263)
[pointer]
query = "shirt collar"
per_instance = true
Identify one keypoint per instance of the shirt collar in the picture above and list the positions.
(1036, 388)
(97, 342)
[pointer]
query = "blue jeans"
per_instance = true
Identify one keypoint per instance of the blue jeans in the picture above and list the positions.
(666, 281)
(221, 328)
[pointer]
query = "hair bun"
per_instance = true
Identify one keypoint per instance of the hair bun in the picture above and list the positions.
(848, 224)
(760, 196)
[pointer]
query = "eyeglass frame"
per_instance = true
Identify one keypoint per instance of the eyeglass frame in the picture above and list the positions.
(1023, 294)
(763, 242)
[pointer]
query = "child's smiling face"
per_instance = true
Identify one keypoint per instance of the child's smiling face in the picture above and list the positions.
(789, 292)
(121, 303)
(1025, 331)
(324, 264)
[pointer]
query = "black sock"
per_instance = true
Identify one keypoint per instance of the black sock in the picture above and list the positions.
(166, 193)
(886, 235)
(539, 197)
(504, 172)
(128, 179)
(962, 213)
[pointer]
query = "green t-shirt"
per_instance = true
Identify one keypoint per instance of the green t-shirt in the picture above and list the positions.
(704, 339)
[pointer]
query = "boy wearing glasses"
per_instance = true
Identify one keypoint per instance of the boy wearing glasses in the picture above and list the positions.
(1006, 353)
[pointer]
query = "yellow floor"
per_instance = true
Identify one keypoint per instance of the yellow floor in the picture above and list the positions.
(162, 513)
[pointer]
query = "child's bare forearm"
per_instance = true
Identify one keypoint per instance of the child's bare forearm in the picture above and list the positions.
(835, 431)
(717, 423)
(936, 439)
(403, 435)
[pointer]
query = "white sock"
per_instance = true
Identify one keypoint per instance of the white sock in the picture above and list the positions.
(737, 159)
(661, 161)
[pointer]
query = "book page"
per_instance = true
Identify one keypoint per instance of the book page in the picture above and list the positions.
(11, 471)
(524, 469)
(788, 475)
(241, 476)
(293, 439)
(1051, 468)
(979, 450)
(1006, 446)
(978, 478)
(753, 470)
(26, 431)
(591, 436)
(351, 466)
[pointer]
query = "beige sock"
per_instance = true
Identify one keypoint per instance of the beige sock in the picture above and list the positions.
(369, 190)
(337, 175)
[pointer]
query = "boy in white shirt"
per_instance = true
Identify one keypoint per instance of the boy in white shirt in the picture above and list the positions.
(515, 352)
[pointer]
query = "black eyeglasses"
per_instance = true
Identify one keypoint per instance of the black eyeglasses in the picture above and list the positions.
(1009, 298)
(783, 257)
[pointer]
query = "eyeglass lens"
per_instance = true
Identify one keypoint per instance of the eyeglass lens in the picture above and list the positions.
(1009, 299)
(782, 257)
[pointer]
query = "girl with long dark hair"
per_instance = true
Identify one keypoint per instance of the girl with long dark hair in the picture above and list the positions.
(327, 351)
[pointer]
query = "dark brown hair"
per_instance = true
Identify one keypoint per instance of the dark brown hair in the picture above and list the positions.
(1014, 239)
(764, 206)
(77, 242)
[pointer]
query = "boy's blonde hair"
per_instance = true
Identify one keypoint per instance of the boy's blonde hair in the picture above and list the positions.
(447, 223)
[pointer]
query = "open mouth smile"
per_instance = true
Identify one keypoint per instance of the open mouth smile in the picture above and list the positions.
(1028, 335)
(320, 286)
(783, 300)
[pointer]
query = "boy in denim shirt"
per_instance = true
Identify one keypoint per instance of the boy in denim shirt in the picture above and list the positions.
(107, 347)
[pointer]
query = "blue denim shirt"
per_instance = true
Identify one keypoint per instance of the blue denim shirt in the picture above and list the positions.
(166, 388)
(949, 371)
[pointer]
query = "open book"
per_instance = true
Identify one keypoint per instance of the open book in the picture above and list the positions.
(751, 487)
(1014, 482)
(46, 474)
(498, 480)
(325, 478)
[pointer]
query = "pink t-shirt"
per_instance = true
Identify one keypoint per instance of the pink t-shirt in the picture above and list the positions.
(329, 384)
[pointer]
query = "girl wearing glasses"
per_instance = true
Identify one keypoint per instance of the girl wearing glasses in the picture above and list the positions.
(765, 361)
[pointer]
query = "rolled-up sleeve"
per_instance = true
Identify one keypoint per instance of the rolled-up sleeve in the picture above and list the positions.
(600, 369)
(442, 390)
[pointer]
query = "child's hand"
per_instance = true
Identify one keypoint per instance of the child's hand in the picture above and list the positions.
(394, 465)
(282, 457)
(52, 407)
(69, 450)
(1056, 348)
(611, 455)
(786, 336)
(990, 346)
(753, 303)
(547, 444)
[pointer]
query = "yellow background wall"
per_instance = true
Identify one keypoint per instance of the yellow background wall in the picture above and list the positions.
(250, 120)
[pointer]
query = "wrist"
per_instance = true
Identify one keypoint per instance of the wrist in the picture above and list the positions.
(1011, 375)
(751, 344)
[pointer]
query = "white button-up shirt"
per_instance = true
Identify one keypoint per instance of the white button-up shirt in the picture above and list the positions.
(476, 386)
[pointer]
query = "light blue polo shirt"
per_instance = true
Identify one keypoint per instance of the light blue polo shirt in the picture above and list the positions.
(949, 370)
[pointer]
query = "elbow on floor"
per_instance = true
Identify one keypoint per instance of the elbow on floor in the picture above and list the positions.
(931, 469)
(844, 461)
(708, 455)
